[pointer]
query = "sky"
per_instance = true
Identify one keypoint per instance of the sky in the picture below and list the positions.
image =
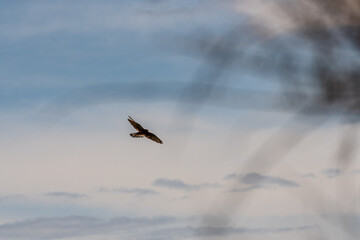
(259, 129)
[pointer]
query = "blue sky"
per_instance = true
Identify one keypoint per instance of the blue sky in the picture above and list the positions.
(72, 71)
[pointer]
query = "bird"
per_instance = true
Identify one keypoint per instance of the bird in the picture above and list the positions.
(142, 132)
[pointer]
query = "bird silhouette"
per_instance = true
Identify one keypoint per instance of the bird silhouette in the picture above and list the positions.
(142, 132)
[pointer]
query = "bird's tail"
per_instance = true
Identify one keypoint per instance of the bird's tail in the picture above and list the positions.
(136, 135)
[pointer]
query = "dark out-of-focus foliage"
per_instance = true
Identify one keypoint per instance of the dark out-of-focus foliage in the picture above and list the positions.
(312, 49)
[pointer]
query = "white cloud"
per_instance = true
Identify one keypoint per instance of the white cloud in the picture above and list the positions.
(136, 191)
(97, 151)
(46, 17)
(331, 172)
(12, 198)
(257, 181)
(70, 195)
(308, 175)
(131, 228)
(78, 226)
(178, 184)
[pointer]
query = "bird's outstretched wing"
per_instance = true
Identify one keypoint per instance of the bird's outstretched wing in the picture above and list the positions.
(135, 124)
(153, 137)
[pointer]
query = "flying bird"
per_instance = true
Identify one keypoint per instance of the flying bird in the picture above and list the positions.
(142, 132)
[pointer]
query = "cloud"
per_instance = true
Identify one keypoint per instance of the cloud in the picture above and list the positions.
(12, 198)
(39, 19)
(155, 91)
(256, 178)
(231, 176)
(308, 175)
(136, 191)
(129, 228)
(249, 188)
(331, 172)
(257, 181)
(76, 226)
(178, 184)
(221, 231)
(66, 195)
(105, 93)
(181, 198)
